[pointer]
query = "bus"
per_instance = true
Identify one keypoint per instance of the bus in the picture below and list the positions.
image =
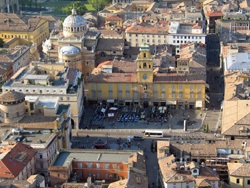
(153, 133)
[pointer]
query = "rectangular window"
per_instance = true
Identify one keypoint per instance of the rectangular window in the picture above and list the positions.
(248, 182)
(191, 88)
(110, 87)
(173, 95)
(180, 88)
(127, 94)
(173, 88)
(155, 88)
(110, 94)
(127, 88)
(191, 95)
(163, 87)
(89, 165)
(135, 88)
(120, 94)
(93, 87)
(97, 165)
(119, 87)
(155, 95)
(99, 93)
(199, 88)
(99, 87)
(180, 95)
(135, 95)
(115, 166)
(79, 165)
(93, 94)
(163, 95)
(107, 166)
(199, 96)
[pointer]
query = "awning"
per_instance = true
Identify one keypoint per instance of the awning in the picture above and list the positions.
(171, 102)
(110, 100)
(128, 100)
(198, 104)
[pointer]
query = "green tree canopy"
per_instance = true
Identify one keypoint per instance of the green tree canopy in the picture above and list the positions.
(99, 4)
(79, 6)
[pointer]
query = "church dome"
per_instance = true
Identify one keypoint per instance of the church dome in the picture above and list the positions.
(74, 24)
(74, 20)
(69, 50)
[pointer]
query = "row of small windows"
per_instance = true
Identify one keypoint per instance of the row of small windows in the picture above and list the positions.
(174, 88)
(75, 29)
(153, 36)
(35, 91)
(97, 165)
(156, 94)
(14, 36)
(186, 37)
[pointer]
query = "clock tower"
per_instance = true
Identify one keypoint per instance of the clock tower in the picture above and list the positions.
(144, 65)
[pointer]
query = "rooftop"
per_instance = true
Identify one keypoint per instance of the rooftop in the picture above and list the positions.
(15, 158)
(34, 138)
(66, 157)
(11, 96)
(237, 61)
(17, 22)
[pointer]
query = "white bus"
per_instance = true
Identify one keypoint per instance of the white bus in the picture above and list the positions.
(153, 133)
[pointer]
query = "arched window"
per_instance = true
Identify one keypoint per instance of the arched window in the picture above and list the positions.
(144, 65)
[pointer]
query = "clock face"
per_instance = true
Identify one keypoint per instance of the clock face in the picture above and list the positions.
(144, 76)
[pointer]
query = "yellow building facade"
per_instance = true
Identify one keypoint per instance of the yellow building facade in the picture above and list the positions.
(143, 86)
(238, 175)
(26, 29)
(113, 22)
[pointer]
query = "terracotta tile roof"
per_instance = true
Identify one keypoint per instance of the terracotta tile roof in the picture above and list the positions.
(113, 18)
(114, 77)
(239, 169)
(109, 32)
(14, 158)
(235, 117)
(179, 78)
(147, 29)
(104, 63)
(14, 22)
(109, 44)
(202, 183)
(11, 96)
(172, 173)
(214, 14)
(162, 145)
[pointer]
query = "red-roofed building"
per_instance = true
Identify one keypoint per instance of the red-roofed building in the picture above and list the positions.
(17, 161)
(112, 22)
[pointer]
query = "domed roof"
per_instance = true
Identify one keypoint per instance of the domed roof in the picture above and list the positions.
(11, 96)
(74, 20)
(69, 50)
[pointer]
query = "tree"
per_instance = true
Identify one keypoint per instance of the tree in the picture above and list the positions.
(79, 6)
(1, 43)
(99, 4)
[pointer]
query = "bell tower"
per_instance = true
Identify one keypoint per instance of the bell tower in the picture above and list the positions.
(144, 65)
